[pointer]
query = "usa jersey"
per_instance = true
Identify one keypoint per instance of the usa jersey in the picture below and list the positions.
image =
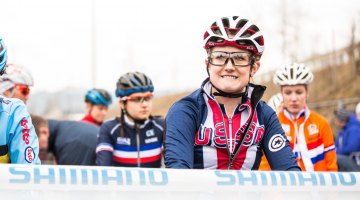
(200, 134)
(18, 140)
(140, 147)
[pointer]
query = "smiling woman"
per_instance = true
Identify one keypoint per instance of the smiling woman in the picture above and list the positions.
(225, 124)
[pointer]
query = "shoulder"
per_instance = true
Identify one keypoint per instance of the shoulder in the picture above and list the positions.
(111, 122)
(158, 118)
(158, 121)
(110, 126)
(190, 102)
(264, 110)
(70, 126)
(13, 109)
(314, 116)
(9, 105)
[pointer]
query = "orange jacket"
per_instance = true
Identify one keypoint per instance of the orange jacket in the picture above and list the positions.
(318, 154)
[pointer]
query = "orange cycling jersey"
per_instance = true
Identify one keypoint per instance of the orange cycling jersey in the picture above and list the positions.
(311, 139)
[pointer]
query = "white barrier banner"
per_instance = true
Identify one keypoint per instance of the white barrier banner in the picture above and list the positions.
(91, 182)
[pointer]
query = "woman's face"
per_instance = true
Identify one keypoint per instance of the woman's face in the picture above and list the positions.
(294, 98)
(228, 77)
(98, 112)
(139, 105)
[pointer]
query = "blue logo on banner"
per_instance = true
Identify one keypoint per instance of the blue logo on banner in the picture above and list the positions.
(88, 176)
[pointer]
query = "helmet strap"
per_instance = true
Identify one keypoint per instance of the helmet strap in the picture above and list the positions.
(136, 121)
(229, 95)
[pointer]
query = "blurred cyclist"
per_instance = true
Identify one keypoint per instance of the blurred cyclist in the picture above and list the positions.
(97, 105)
(16, 82)
(135, 139)
(18, 140)
(276, 102)
(309, 133)
(225, 124)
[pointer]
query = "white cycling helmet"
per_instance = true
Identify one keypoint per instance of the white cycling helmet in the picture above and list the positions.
(18, 75)
(237, 32)
(295, 74)
(275, 101)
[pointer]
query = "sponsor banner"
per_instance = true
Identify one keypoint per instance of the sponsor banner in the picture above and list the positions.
(91, 181)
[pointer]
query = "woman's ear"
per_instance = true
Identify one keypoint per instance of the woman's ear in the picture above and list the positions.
(122, 105)
(88, 107)
(255, 67)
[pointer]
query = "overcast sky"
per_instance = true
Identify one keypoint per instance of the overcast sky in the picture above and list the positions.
(60, 40)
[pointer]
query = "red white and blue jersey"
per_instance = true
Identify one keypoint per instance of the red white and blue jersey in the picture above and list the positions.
(140, 147)
(200, 134)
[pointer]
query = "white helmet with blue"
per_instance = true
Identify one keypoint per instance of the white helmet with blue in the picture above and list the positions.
(18, 75)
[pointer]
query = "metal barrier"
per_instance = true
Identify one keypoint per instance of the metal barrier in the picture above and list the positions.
(82, 182)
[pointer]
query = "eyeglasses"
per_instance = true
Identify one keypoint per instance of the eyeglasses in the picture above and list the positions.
(139, 99)
(23, 89)
(220, 58)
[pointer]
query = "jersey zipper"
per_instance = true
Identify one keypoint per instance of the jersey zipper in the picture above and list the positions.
(230, 134)
(226, 137)
(233, 155)
(138, 144)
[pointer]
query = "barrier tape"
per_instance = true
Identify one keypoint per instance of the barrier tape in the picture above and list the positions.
(143, 183)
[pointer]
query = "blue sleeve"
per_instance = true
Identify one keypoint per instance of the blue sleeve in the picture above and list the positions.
(23, 141)
(180, 136)
(351, 141)
(104, 147)
(275, 144)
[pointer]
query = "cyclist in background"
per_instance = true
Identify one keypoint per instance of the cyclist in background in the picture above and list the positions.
(18, 140)
(66, 142)
(225, 124)
(309, 133)
(16, 82)
(276, 102)
(347, 142)
(97, 105)
(135, 138)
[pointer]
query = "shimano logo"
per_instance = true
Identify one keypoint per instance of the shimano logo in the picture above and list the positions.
(83, 176)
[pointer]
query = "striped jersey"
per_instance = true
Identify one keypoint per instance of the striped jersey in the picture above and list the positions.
(200, 134)
(141, 145)
(311, 139)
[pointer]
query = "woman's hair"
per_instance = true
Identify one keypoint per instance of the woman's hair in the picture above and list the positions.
(38, 122)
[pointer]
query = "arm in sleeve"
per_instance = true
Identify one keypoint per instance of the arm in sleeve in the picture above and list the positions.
(276, 146)
(23, 141)
(104, 147)
(352, 142)
(329, 147)
(180, 136)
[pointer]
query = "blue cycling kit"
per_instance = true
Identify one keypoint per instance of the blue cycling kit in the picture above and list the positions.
(18, 140)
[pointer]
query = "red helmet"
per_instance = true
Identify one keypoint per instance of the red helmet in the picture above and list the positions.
(237, 32)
